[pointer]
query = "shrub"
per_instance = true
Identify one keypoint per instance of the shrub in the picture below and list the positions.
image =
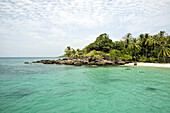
(126, 57)
(114, 54)
(143, 59)
(95, 53)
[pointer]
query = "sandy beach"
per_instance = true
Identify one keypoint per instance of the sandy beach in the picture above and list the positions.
(150, 65)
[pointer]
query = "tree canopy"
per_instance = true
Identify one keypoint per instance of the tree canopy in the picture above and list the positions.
(145, 48)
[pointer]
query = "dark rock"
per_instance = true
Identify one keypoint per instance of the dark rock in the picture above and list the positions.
(65, 58)
(26, 62)
(135, 63)
(90, 59)
(83, 60)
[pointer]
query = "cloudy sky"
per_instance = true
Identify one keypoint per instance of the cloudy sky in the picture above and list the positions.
(46, 27)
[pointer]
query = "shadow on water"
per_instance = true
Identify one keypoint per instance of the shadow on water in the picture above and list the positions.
(64, 83)
(19, 93)
(151, 89)
(141, 72)
(114, 80)
(70, 92)
(127, 69)
(108, 81)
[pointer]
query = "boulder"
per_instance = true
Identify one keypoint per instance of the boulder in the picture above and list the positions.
(135, 63)
(100, 63)
(120, 62)
(97, 59)
(77, 63)
(65, 59)
(105, 57)
(126, 61)
(109, 63)
(92, 63)
(90, 59)
(69, 62)
(84, 60)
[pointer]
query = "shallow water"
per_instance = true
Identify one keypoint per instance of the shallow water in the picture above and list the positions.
(64, 89)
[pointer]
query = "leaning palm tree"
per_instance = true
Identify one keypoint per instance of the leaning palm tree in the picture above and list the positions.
(164, 49)
(135, 47)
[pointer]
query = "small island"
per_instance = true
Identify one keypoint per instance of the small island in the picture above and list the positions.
(104, 52)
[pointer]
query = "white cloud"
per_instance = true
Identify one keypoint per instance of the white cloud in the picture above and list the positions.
(63, 20)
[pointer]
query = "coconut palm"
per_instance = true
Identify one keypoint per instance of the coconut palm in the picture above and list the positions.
(68, 51)
(163, 42)
(146, 44)
(135, 46)
(127, 38)
(142, 42)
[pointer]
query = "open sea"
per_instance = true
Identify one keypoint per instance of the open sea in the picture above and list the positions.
(44, 88)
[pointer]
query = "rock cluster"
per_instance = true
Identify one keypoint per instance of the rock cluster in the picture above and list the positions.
(83, 60)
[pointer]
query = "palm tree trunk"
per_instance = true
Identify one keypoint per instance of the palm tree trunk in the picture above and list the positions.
(146, 52)
(151, 51)
(164, 60)
(135, 56)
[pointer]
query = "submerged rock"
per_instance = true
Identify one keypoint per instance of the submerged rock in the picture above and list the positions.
(149, 88)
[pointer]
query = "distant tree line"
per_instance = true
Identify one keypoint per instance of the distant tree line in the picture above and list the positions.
(145, 48)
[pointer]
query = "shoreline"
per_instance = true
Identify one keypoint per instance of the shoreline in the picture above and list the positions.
(150, 65)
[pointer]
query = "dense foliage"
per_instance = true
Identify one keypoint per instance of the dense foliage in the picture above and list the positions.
(145, 48)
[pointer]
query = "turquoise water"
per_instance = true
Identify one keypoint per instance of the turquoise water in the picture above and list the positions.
(38, 88)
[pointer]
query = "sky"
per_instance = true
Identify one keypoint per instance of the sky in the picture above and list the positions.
(44, 28)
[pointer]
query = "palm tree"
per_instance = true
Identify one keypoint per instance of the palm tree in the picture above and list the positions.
(142, 42)
(163, 42)
(135, 46)
(68, 51)
(127, 38)
(150, 42)
(154, 43)
(146, 44)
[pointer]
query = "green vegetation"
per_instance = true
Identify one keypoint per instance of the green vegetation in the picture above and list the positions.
(145, 48)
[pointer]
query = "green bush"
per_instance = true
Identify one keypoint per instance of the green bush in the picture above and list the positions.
(114, 54)
(143, 59)
(95, 53)
(152, 59)
(126, 57)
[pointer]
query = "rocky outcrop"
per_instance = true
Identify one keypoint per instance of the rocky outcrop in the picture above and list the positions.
(83, 60)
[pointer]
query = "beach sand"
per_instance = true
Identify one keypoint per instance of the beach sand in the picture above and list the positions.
(150, 64)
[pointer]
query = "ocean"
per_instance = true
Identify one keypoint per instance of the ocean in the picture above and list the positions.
(46, 88)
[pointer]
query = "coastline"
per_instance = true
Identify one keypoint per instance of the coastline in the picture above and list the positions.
(150, 65)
